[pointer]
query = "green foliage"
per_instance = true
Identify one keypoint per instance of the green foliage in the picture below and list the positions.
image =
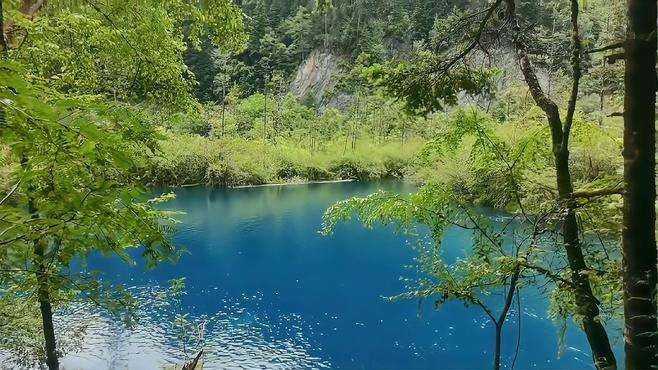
(323, 6)
(282, 33)
(127, 50)
(423, 84)
(77, 190)
(506, 163)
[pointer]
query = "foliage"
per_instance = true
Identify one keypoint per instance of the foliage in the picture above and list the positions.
(77, 190)
(126, 50)
(283, 32)
(475, 159)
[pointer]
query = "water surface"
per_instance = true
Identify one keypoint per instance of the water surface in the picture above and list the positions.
(276, 294)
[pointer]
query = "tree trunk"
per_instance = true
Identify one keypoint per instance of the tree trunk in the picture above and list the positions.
(265, 119)
(44, 297)
(43, 291)
(3, 39)
(29, 8)
(587, 304)
(503, 315)
(356, 120)
(638, 238)
(499, 334)
(601, 107)
(326, 33)
(223, 108)
(46, 312)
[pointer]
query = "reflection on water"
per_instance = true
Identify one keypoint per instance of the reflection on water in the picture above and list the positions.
(275, 294)
(239, 335)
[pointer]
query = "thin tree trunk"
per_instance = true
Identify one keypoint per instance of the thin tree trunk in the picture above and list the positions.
(586, 303)
(223, 108)
(46, 310)
(358, 23)
(356, 119)
(503, 316)
(601, 107)
(499, 334)
(265, 118)
(43, 293)
(638, 238)
(326, 33)
(275, 118)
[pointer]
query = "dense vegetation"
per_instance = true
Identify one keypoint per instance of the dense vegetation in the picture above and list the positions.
(516, 105)
(239, 145)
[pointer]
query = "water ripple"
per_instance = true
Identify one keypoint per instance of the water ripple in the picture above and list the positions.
(239, 335)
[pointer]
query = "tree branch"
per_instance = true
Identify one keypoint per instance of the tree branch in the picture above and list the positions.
(11, 192)
(577, 72)
(605, 48)
(546, 104)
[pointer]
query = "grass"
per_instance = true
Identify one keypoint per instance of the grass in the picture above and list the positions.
(188, 159)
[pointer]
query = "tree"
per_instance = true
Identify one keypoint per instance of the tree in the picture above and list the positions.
(428, 83)
(115, 49)
(324, 7)
(75, 149)
(639, 235)
(75, 193)
(560, 132)
(493, 266)
(299, 30)
(276, 87)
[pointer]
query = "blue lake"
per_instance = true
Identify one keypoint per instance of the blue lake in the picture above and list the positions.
(274, 293)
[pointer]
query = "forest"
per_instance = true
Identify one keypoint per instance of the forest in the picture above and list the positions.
(494, 159)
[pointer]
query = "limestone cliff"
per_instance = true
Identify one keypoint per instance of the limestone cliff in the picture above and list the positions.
(316, 79)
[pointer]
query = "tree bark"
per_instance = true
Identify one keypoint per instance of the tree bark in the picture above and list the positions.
(31, 7)
(587, 305)
(638, 237)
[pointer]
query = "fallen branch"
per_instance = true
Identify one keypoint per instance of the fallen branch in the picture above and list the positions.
(597, 193)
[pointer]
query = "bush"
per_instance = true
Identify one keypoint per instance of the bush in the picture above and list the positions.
(231, 174)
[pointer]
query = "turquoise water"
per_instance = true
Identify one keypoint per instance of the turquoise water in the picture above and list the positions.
(273, 293)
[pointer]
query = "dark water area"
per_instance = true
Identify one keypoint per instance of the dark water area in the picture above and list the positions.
(274, 293)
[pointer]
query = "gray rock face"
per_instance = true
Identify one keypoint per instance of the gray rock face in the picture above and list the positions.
(316, 78)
